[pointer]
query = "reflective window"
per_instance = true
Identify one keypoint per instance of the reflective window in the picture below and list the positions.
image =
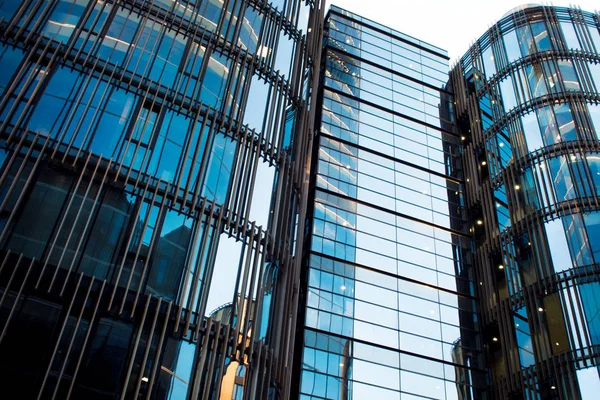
(593, 162)
(218, 176)
(525, 40)
(523, 333)
(594, 110)
(569, 76)
(215, 79)
(108, 351)
(170, 255)
(63, 20)
(488, 62)
(531, 128)
(557, 245)
(540, 35)
(578, 240)
(589, 382)
(508, 93)
(501, 204)
(511, 43)
(549, 130)
(570, 36)
(175, 372)
(8, 9)
(119, 36)
(592, 223)
(10, 58)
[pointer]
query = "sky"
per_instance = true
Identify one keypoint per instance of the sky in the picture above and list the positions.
(452, 25)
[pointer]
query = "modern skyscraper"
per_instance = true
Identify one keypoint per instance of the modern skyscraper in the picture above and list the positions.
(388, 310)
(153, 169)
(527, 106)
(237, 199)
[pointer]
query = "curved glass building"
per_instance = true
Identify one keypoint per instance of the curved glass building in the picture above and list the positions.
(152, 170)
(527, 99)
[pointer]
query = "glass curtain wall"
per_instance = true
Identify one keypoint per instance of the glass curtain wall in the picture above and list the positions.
(389, 307)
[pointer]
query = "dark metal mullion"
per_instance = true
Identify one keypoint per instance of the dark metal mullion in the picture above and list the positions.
(85, 341)
(96, 202)
(72, 341)
(63, 219)
(60, 335)
(191, 176)
(158, 350)
(148, 347)
(134, 347)
(35, 69)
(84, 198)
(197, 269)
(141, 196)
(155, 234)
(206, 282)
(14, 306)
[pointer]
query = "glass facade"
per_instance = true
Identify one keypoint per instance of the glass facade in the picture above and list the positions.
(389, 308)
(527, 110)
(150, 154)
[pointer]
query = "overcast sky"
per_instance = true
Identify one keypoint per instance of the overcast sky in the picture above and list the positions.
(450, 24)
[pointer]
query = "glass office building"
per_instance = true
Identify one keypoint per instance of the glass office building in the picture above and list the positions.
(152, 161)
(527, 107)
(388, 308)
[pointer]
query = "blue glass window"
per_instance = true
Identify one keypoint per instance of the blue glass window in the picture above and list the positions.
(549, 130)
(40, 213)
(215, 80)
(8, 9)
(531, 129)
(569, 76)
(63, 20)
(570, 36)
(523, 337)
(593, 161)
(511, 43)
(107, 352)
(10, 58)
(578, 240)
(564, 120)
(170, 255)
(592, 223)
(488, 62)
(540, 35)
(218, 176)
(178, 361)
(167, 149)
(190, 81)
(561, 178)
(507, 89)
(501, 204)
(90, 31)
(119, 36)
(114, 119)
(590, 296)
(107, 234)
(536, 79)
(558, 246)
(166, 60)
(525, 40)
(134, 151)
(594, 110)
